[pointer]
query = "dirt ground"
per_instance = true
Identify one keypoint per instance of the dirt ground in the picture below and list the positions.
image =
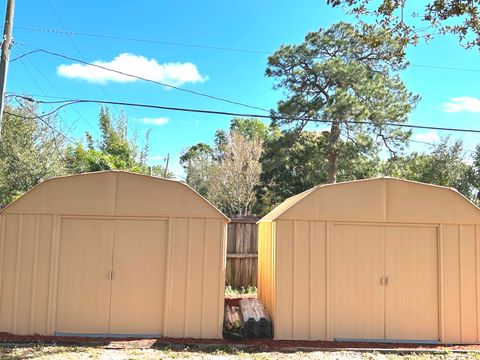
(56, 347)
(244, 344)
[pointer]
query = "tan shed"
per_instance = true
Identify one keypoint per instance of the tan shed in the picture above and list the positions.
(381, 259)
(112, 253)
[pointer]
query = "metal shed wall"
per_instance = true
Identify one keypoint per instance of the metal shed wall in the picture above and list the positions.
(194, 259)
(299, 243)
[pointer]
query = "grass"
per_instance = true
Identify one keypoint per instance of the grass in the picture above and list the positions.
(250, 290)
(44, 351)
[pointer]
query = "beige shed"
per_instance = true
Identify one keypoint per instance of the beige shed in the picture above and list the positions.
(112, 253)
(381, 259)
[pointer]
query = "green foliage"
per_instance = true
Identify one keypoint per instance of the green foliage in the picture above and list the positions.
(445, 165)
(249, 290)
(475, 175)
(250, 128)
(228, 173)
(293, 163)
(114, 150)
(199, 163)
(29, 152)
(346, 77)
(457, 17)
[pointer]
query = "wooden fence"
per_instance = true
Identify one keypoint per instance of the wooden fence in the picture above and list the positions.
(242, 252)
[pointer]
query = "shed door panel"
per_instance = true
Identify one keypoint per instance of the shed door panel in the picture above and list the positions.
(359, 298)
(83, 285)
(412, 290)
(138, 286)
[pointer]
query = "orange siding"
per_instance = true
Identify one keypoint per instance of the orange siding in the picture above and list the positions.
(265, 266)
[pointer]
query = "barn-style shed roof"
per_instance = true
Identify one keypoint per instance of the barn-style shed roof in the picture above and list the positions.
(382, 199)
(114, 193)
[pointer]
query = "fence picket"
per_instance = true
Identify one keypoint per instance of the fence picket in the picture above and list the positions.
(242, 252)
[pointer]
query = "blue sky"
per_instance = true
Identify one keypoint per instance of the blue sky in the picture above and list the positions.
(254, 25)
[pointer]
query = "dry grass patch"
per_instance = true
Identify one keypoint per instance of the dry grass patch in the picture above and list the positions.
(54, 352)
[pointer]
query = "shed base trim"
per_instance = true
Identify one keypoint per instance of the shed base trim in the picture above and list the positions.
(396, 341)
(152, 336)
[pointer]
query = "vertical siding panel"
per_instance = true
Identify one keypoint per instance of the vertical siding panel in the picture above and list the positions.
(8, 274)
(214, 238)
(261, 269)
(301, 281)
(477, 273)
(292, 291)
(330, 291)
(452, 285)
(193, 309)
(441, 289)
(271, 266)
(33, 288)
(265, 272)
(269, 256)
(42, 274)
(3, 220)
(179, 278)
(221, 281)
(273, 271)
(18, 253)
(24, 290)
(318, 281)
(53, 276)
(168, 278)
(284, 279)
(204, 294)
(468, 286)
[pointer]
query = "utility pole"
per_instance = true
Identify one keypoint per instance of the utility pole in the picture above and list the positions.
(6, 45)
(166, 166)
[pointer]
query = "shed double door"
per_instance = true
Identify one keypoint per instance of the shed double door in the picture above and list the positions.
(111, 276)
(385, 283)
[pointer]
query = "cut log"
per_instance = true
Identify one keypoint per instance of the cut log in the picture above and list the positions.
(236, 318)
(232, 322)
(227, 320)
(256, 322)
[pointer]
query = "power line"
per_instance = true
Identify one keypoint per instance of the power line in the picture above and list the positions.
(203, 46)
(51, 127)
(77, 49)
(36, 50)
(45, 78)
(114, 37)
(444, 68)
(235, 114)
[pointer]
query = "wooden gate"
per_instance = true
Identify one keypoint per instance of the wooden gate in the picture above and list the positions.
(242, 252)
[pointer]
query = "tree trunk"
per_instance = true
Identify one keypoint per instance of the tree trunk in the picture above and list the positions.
(333, 152)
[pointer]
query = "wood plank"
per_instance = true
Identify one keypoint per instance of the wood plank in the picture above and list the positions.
(242, 256)
(242, 252)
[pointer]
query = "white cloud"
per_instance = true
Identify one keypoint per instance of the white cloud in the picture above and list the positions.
(169, 73)
(155, 121)
(462, 104)
(430, 136)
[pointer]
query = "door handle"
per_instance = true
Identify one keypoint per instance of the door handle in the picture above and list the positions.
(384, 280)
(110, 275)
